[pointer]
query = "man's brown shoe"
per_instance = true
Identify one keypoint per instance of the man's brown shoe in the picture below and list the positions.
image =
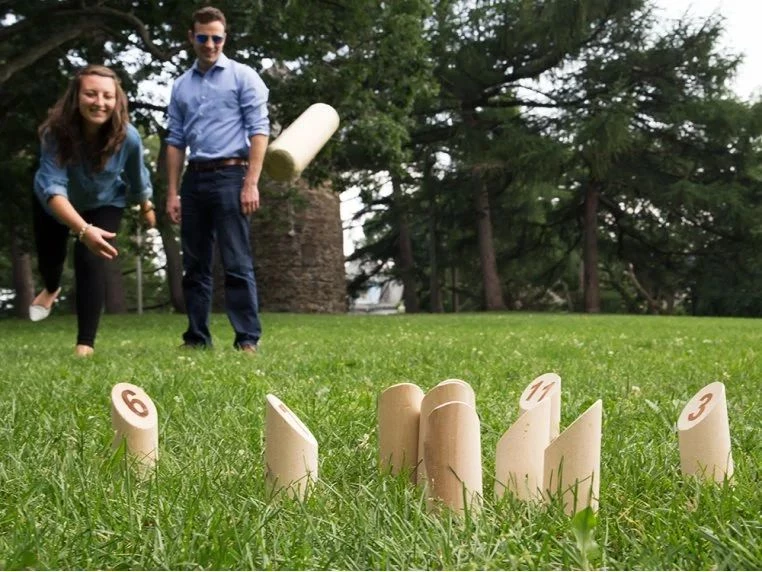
(248, 348)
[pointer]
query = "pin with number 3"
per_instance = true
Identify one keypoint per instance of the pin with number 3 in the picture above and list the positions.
(703, 433)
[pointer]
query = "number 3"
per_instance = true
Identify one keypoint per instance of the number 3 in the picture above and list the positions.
(131, 403)
(705, 399)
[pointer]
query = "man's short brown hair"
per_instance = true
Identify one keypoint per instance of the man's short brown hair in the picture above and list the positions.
(208, 14)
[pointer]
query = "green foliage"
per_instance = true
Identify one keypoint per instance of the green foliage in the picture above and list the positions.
(583, 524)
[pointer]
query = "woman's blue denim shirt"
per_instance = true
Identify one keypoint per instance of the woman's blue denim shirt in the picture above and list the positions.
(124, 179)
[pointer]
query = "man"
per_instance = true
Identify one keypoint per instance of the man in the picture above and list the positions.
(218, 109)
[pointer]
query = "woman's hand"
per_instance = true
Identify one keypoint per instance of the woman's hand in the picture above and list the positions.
(148, 213)
(96, 240)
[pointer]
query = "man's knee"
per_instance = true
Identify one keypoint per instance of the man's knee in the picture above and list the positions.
(239, 275)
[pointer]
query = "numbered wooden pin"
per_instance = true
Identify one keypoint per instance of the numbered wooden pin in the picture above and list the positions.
(399, 414)
(136, 422)
(444, 392)
(298, 144)
(546, 386)
(703, 434)
(573, 462)
(452, 456)
(520, 454)
(291, 451)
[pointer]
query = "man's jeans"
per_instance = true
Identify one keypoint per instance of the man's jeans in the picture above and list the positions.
(211, 209)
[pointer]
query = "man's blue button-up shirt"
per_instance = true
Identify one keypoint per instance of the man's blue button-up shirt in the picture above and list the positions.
(125, 177)
(217, 112)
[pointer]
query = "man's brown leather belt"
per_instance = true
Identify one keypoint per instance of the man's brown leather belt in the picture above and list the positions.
(216, 164)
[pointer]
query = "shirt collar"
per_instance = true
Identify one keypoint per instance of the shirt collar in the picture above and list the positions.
(222, 62)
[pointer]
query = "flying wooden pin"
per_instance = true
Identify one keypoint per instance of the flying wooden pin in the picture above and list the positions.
(297, 144)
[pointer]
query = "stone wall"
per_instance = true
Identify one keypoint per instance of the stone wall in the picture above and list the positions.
(298, 250)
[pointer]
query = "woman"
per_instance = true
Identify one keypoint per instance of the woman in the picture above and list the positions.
(90, 166)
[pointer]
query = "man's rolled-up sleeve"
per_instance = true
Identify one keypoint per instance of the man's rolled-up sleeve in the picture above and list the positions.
(175, 135)
(253, 97)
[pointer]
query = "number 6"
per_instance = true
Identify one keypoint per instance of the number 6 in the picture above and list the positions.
(131, 403)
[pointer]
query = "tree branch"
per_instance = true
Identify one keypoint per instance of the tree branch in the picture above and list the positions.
(136, 23)
(39, 50)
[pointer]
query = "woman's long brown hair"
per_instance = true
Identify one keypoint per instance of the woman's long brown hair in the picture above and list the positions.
(64, 125)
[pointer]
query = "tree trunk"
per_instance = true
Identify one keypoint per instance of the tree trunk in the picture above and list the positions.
(493, 296)
(405, 259)
(455, 297)
(23, 283)
(590, 249)
(169, 238)
(174, 267)
(116, 300)
(435, 285)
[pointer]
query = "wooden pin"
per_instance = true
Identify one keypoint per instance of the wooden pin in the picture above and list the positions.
(466, 385)
(452, 456)
(573, 462)
(297, 145)
(520, 454)
(399, 413)
(448, 390)
(135, 421)
(546, 386)
(703, 434)
(291, 451)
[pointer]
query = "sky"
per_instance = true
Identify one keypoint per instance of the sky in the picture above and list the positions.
(742, 34)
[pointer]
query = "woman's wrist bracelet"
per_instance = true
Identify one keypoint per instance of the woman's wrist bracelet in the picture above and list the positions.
(82, 232)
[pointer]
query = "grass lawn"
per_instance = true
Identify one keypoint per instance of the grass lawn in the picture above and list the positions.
(65, 502)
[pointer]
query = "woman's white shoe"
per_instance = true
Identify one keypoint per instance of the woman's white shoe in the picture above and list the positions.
(38, 312)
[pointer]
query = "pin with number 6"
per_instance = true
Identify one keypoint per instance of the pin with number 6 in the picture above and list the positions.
(135, 420)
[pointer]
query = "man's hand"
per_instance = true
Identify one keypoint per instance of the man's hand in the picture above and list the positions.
(173, 208)
(249, 197)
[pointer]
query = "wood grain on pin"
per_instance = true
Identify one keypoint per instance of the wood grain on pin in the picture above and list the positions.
(448, 390)
(291, 451)
(135, 420)
(703, 433)
(573, 462)
(297, 145)
(546, 386)
(452, 455)
(399, 414)
(520, 454)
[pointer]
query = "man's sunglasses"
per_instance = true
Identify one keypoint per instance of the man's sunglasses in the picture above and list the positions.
(204, 38)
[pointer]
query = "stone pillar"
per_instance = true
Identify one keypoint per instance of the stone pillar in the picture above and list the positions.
(298, 249)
